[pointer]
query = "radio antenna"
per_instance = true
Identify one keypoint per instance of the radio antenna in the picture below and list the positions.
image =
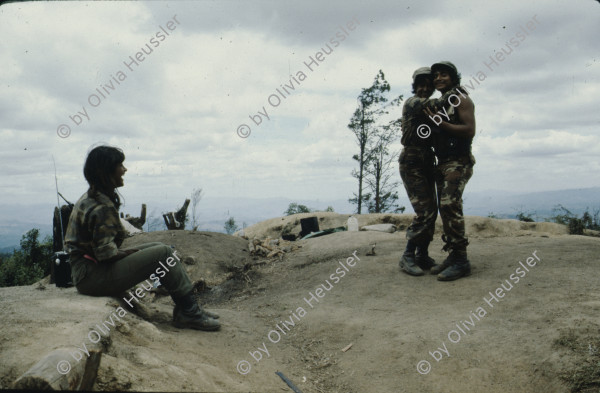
(58, 205)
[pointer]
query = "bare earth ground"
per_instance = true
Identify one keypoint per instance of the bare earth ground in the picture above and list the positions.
(546, 326)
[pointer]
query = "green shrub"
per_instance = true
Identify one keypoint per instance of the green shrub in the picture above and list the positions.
(231, 226)
(28, 264)
(526, 217)
(295, 208)
(576, 225)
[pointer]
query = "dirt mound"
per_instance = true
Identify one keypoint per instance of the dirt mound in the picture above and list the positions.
(490, 227)
(475, 226)
(215, 255)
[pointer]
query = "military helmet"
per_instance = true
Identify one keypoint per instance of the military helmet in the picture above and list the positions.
(421, 71)
(444, 64)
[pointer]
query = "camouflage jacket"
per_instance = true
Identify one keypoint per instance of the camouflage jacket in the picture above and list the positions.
(94, 228)
(413, 117)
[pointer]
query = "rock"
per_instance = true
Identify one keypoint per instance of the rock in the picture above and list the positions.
(189, 260)
(372, 252)
(131, 230)
(123, 328)
(389, 228)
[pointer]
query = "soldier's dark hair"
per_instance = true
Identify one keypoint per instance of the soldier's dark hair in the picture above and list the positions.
(419, 80)
(454, 76)
(100, 165)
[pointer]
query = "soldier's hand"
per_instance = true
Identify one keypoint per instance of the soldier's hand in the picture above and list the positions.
(428, 112)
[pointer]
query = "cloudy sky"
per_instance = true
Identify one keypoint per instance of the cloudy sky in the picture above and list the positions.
(67, 70)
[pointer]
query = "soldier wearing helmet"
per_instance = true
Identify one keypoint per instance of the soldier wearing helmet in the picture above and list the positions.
(417, 164)
(454, 166)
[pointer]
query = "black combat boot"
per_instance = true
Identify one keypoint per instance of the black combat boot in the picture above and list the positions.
(459, 266)
(213, 315)
(422, 258)
(437, 269)
(188, 314)
(408, 263)
(409, 266)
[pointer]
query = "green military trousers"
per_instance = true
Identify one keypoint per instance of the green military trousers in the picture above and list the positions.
(451, 178)
(114, 278)
(417, 166)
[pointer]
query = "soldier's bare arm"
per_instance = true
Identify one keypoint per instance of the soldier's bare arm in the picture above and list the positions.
(466, 114)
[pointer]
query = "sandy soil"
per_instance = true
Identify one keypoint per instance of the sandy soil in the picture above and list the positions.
(542, 328)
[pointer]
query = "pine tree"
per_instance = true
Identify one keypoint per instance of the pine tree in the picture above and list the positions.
(231, 226)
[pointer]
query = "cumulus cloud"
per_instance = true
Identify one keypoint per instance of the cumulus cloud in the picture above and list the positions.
(176, 113)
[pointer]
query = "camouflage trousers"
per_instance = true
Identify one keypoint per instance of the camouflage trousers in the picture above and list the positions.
(417, 169)
(451, 177)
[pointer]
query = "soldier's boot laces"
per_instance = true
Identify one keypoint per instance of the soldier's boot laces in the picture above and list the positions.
(437, 269)
(459, 266)
(409, 265)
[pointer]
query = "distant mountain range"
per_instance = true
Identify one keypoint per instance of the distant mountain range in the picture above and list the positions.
(213, 212)
(539, 204)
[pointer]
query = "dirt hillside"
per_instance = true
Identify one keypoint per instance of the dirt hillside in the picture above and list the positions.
(294, 314)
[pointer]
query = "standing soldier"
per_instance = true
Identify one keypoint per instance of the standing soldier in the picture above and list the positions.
(417, 165)
(454, 167)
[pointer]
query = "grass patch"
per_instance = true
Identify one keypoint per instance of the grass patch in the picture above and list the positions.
(585, 377)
